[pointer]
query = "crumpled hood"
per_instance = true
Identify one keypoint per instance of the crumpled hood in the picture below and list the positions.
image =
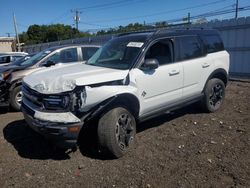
(63, 78)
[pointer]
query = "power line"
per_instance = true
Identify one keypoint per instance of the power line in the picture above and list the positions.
(164, 12)
(104, 5)
(114, 6)
(205, 15)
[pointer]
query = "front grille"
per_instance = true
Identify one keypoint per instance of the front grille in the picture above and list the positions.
(45, 102)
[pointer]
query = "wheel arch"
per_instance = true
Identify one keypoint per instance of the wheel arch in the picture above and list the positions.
(220, 74)
(15, 84)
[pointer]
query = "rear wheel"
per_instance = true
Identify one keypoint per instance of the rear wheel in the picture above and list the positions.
(116, 131)
(214, 95)
(16, 98)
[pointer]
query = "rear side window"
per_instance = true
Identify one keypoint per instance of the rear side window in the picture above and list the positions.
(213, 43)
(64, 56)
(190, 48)
(88, 52)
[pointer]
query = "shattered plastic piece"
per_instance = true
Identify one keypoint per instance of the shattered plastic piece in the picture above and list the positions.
(65, 117)
(213, 142)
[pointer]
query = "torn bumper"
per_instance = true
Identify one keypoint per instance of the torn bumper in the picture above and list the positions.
(4, 94)
(62, 132)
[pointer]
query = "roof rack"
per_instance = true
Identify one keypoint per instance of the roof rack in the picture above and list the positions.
(136, 32)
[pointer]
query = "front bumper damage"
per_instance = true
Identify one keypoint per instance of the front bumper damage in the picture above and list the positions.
(61, 128)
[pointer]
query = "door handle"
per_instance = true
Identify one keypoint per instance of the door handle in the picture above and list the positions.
(205, 65)
(174, 72)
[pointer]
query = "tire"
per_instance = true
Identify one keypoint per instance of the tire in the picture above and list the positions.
(116, 131)
(214, 95)
(16, 98)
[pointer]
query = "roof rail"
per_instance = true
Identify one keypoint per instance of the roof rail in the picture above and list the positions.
(135, 32)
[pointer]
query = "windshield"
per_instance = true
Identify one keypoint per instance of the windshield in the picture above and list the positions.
(119, 53)
(34, 59)
(20, 60)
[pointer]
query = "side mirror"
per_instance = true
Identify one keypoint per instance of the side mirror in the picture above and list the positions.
(49, 63)
(151, 64)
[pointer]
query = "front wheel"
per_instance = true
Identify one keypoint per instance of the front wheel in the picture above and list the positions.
(16, 98)
(214, 95)
(116, 131)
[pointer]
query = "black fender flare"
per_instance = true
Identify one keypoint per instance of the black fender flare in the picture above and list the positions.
(127, 100)
(218, 73)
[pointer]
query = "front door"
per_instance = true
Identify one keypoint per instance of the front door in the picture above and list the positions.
(162, 86)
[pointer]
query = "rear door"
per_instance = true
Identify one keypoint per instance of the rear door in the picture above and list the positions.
(192, 57)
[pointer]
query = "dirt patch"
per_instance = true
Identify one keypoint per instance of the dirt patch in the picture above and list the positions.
(184, 149)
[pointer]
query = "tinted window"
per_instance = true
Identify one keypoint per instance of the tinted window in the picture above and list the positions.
(190, 48)
(64, 56)
(213, 43)
(88, 52)
(5, 59)
(162, 51)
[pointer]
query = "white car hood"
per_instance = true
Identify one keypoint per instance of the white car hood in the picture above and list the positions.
(64, 78)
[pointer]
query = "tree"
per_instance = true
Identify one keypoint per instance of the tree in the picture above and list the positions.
(49, 33)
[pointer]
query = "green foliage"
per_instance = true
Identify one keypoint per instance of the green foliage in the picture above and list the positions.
(49, 33)
(55, 32)
(132, 27)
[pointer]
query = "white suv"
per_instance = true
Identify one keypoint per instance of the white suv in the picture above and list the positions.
(132, 78)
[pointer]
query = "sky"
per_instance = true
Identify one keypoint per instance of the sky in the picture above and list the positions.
(98, 14)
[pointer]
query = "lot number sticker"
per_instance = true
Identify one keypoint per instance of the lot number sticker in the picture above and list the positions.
(135, 44)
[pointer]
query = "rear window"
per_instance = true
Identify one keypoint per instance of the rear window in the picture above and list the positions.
(213, 43)
(190, 48)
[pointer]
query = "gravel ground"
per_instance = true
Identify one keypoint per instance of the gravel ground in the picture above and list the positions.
(184, 149)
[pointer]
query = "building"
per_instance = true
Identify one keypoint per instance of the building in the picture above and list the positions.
(7, 44)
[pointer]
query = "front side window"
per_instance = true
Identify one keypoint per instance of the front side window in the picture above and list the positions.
(88, 52)
(162, 51)
(119, 53)
(190, 48)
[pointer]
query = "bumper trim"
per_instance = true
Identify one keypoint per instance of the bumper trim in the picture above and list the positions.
(60, 117)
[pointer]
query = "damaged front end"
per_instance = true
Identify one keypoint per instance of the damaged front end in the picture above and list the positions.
(61, 116)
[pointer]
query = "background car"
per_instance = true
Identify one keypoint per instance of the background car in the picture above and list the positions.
(6, 59)
(11, 76)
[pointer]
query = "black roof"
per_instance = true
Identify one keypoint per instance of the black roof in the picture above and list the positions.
(171, 32)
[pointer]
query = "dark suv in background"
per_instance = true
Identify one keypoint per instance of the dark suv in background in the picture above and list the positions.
(11, 75)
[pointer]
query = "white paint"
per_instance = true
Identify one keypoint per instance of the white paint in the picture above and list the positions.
(64, 78)
(65, 117)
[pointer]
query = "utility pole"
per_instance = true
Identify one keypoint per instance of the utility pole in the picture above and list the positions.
(189, 21)
(17, 37)
(76, 17)
(236, 9)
